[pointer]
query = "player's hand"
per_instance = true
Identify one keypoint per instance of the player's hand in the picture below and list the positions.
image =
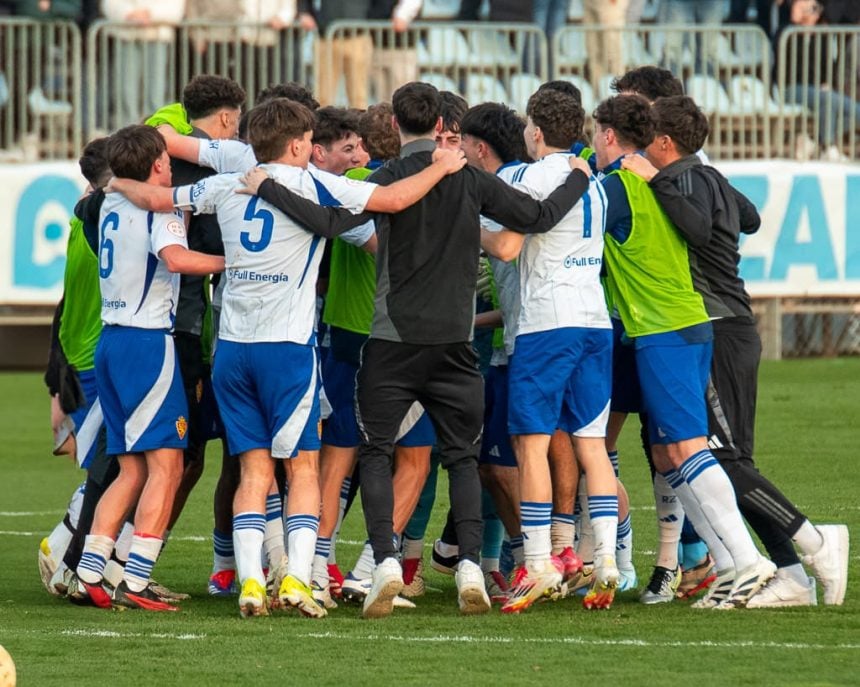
(278, 24)
(450, 160)
(639, 165)
(577, 162)
(399, 24)
(251, 181)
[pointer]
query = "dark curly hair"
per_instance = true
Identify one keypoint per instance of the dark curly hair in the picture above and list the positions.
(94, 162)
(563, 86)
(650, 82)
(499, 126)
(683, 121)
(207, 93)
(333, 124)
(631, 118)
(378, 135)
(453, 109)
(291, 91)
(559, 117)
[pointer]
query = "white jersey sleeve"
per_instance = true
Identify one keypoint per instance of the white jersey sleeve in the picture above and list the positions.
(341, 191)
(360, 234)
(226, 155)
(204, 197)
(168, 230)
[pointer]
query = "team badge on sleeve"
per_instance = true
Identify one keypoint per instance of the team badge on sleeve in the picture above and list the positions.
(176, 228)
(181, 426)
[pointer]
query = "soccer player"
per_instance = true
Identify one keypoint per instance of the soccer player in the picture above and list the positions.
(648, 281)
(560, 371)
(419, 347)
(74, 337)
(336, 142)
(492, 139)
(213, 105)
(679, 542)
(270, 408)
(139, 387)
(710, 214)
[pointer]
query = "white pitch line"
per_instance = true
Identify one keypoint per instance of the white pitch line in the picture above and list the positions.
(14, 533)
(704, 644)
(110, 634)
(28, 513)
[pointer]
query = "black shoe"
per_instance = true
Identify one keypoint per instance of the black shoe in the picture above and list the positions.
(447, 565)
(146, 599)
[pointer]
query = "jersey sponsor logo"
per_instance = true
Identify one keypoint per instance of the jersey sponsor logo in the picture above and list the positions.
(117, 304)
(176, 228)
(251, 275)
(214, 144)
(495, 452)
(181, 426)
(571, 261)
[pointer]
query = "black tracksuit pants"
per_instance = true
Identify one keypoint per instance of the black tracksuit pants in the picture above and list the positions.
(445, 379)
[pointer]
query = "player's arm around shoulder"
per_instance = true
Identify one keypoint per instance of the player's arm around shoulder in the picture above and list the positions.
(405, 192)
(144, 195)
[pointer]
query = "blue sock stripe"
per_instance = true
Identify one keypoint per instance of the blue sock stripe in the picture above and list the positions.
(93, 562)
(696, 465)
(297, 522)
(323, 547)
(516, 542)
(674, 478)
(624, 527)
(273, 507)
(345, 486)
(692, 463)
(613, 458)
(566, 518)
(249, 521)
(222, 543)
(602, 507)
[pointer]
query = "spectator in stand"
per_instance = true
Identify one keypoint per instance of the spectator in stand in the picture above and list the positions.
(500, 10)
(351, 55)
(551, 15)
(143, 50)
(764, 14)
(604, 46)
(689, 13)
(835, 113)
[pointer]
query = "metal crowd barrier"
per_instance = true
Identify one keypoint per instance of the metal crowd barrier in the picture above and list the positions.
(725, 68)
(362, 63)
(817, 80)
(133, 71)
(40, 90)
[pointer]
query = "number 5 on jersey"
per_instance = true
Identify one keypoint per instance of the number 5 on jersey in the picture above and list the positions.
(252, 214)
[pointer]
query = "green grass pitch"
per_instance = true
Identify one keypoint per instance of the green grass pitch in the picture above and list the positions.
(807, 443)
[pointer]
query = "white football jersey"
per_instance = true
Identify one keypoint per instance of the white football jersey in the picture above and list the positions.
(234, 156)
(137, 289)
(507, 278)
(271, 262)
(560, 270)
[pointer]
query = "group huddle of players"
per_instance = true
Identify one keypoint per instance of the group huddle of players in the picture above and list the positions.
(322, 328)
